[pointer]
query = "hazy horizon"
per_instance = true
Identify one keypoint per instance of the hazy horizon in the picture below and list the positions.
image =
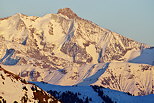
(132, 19)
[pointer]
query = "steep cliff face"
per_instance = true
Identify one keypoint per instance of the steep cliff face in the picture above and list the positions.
(63, 48)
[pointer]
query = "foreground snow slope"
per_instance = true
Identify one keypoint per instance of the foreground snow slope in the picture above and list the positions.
(94, 94)
(13, 88)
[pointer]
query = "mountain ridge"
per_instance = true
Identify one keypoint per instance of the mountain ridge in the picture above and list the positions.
(64, 51)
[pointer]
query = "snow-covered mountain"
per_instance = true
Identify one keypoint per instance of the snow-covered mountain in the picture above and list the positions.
(13, 89)
(64, 49)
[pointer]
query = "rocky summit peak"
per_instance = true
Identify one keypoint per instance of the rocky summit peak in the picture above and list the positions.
(67, 12)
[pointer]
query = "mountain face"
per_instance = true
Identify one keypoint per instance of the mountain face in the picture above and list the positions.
(64, 49)
(136, 79)
(13, 89)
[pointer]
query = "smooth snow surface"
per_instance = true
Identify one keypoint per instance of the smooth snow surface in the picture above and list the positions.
(87, 91)
(146, 57)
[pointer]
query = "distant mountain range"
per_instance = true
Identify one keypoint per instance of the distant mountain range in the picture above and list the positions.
(65, 49)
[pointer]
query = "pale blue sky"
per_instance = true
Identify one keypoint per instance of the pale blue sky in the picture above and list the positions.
(131, 18)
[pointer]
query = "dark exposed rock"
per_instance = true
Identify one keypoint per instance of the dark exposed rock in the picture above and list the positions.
(68, 12)
(78, 53)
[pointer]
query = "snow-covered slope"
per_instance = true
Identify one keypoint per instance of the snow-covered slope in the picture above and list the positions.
(137, 79)
(92, 94)
(13, 89)
(146, 57)
(70, 39)
(65, 49)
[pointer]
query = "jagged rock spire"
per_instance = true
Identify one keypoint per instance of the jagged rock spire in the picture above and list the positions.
(67, 12)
